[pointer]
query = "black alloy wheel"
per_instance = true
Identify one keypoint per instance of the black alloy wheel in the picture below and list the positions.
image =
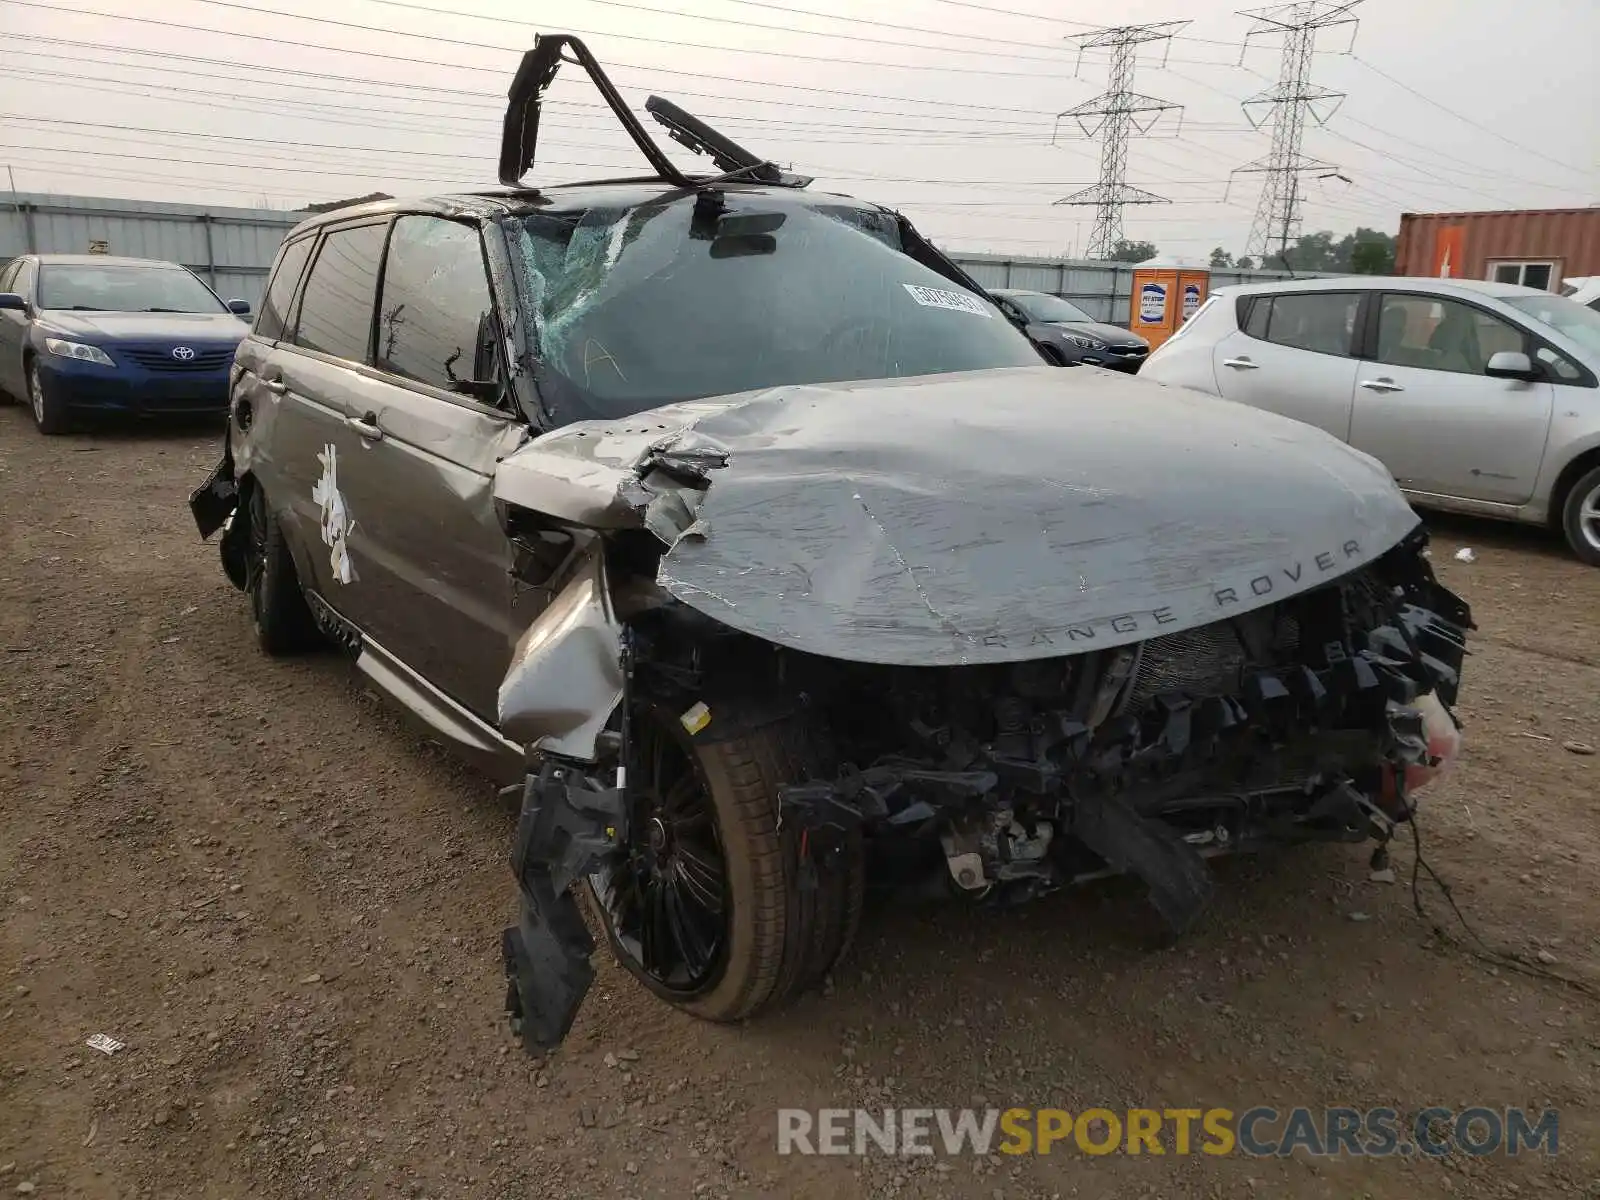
(668, 904)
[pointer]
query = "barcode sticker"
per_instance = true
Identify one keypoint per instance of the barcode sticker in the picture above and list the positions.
(939, 298)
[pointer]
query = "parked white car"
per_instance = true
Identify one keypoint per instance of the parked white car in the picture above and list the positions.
(1478, 397)
(1584, 290)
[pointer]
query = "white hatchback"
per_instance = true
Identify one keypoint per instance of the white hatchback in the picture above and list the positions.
(1478, 397)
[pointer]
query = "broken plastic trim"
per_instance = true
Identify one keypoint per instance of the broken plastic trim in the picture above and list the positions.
(519, 139)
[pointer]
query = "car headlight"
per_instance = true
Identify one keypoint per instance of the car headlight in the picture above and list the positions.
(78, 351)
(1088, 343)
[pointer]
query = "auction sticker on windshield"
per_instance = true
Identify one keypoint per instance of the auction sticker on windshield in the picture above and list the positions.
(939, 298)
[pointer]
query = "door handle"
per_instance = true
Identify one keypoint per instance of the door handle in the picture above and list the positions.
(1241, 364)
(276, 386)
(366, 426)
(1381, 385)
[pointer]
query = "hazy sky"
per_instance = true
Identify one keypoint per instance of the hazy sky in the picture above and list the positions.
(945, 108)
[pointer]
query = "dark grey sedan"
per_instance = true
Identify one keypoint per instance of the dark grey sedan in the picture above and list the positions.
(1067, 335)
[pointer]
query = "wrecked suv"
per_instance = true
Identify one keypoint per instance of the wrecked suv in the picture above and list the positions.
(732, 528)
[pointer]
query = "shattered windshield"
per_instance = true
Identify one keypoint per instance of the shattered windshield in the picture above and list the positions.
(645, 305)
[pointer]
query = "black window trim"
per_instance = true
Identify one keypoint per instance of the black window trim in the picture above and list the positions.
(1245, 310)
(292, 322)
(1531, 341)
(291, 311)
(417, 385)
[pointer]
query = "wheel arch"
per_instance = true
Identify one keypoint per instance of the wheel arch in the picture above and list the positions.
(1580, 465)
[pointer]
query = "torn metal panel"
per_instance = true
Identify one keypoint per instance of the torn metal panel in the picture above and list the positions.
(586, 472)
(1003, 515)
(566, 676)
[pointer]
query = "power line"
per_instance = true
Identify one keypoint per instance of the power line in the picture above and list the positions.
(1287, 105)
(1122, 112)
(412, 61)
(1464, 119)
(440, 39)
(499, 97)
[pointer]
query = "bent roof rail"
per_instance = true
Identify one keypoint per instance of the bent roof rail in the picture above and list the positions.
(519, 139)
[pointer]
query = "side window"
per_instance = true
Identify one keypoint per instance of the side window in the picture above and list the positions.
(1558, 366)
(436, 319)
(1322, 322)
(336, 306)
(274, 314)
(6, 273)
(1255, 322)
(1441, 335)
(23, 283)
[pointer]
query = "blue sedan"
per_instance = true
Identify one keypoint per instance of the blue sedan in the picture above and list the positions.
(89, 333)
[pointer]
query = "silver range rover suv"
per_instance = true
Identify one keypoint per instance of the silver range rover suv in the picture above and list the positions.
(735, 531)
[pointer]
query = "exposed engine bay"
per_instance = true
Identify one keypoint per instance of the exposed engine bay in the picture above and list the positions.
(1000, 778)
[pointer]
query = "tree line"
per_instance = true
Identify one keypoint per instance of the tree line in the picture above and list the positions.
(1364, 252)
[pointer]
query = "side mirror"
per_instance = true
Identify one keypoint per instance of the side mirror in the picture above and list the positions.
(239, 308)
(11, 302)
(1511, 364)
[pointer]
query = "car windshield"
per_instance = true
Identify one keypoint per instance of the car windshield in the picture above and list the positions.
(124, 288)
(640, 306)
(1580, 324)
(1040, 307)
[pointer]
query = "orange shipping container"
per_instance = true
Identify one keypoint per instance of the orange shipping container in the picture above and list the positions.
(1538, 248)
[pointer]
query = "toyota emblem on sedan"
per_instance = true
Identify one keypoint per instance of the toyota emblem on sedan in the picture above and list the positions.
(183, 353)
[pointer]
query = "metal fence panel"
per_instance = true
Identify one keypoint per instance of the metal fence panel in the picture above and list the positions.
(230, 248)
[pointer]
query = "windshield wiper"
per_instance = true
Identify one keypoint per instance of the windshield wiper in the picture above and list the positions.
(173, 310)
(733, 159)
(84, 308)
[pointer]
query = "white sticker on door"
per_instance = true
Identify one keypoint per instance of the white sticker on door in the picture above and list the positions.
(336, 520)
(939, 298)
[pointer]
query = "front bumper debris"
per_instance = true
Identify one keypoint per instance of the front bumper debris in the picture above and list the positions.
(568, 827)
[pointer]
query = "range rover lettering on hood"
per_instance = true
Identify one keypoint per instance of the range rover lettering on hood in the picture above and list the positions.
(974, 517)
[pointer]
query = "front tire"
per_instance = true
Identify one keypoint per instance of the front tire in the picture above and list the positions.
(717, 911)
(1580, 517)
(278, 609)
(49, 412)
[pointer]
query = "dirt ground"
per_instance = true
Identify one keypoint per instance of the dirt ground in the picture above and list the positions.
(288, 906)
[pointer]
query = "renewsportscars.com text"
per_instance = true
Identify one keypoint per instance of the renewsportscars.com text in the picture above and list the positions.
(1257, 1132)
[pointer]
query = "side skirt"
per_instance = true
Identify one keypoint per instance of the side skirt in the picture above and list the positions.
(466, 734)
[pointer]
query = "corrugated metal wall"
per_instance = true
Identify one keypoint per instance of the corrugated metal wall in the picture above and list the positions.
(1568, 237)
(1101, 289)
(230, 248)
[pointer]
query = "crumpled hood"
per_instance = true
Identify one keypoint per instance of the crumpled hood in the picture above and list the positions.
(988, 516)
(202, 328)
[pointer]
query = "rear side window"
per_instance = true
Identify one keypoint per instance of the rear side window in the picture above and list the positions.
(1255, 323)
(336, 306)
(1321, 322)
(274, 314)
(435, 322)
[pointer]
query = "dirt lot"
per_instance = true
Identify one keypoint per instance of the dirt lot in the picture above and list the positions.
(288, 906)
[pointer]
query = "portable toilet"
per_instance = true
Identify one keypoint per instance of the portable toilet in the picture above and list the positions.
(1166, 293)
